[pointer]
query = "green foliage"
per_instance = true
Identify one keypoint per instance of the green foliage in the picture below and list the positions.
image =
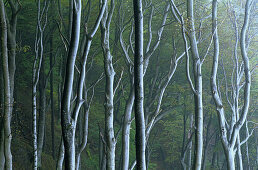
(166, 137)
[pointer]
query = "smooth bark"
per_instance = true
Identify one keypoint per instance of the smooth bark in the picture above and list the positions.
(67, 122)
(39, 49)
(138, 82)
(60, 160)
(126, 128)
(82, 84)
(110, 139)
(197, 72)
(229, 140)
(7, 89)
(197, 69)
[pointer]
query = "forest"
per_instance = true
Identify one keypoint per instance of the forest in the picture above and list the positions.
(128, 84)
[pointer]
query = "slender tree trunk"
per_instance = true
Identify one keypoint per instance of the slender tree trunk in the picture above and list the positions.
(109, 89)
(197, 67)
(126, 129)
(207, 140)
(42, 113)
(84, 138)
(239, 153)
(60, 85)
(52, 97)
(191, 143)
(82, 85)
(248, 167)
(7, 90)
(59, 165)
(139, 91)
(128, 110)
(39, 49)
(109, 129)
(2, 158)
(34, 126)
(9, 28)
(183, 143)
(102, 151)
(229, 145)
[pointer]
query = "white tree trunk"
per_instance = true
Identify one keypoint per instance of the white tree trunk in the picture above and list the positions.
(110, 140)
(126, 129)
(197, 64)
(7, 90)
(67, 122)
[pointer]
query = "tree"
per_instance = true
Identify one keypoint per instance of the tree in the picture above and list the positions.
(39, 49)
(150, 49)
(110, 139)
(138, 86)
(7, 90)
(82, 84)
(68, 118)
(8, 48)
(230, 133)
(197, 71)
(69, 115)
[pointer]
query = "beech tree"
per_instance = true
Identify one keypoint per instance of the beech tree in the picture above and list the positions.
(110, 139)
(8, 49)
(230, 132)
(197, 71)
(68, 118)
(38, 138)
(69, 115)
(138, 86)
(156, 57)
(150, 48)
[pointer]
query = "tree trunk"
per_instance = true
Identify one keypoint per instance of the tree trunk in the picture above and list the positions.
(34, 127)
(109, 89)
(183, 143)
(2, 158)
(9, 28)
(86, 45)
(207, 141)
(197, 67)
(39, 49)
(52, 97)
(126, 129)
(102, 151)
(230, 157)
(248, 167)
(83, 144)
(42, 113)
(67, 122)
(239, 154)
(59, 165)
(7, 90)
(139, 90)
(109, 129)
(191, 143)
